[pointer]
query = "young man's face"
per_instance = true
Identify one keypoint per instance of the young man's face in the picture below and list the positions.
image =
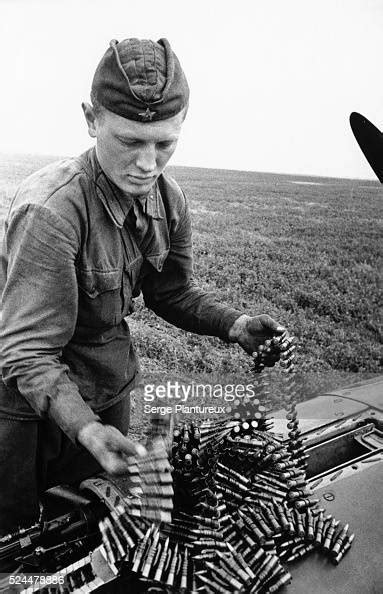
(133, 154)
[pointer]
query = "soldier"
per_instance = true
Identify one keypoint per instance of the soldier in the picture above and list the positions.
(83, 237)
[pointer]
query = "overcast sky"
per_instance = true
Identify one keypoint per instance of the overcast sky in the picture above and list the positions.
(272, 82)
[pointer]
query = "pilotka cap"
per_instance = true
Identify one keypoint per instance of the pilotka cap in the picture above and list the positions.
(141, 80)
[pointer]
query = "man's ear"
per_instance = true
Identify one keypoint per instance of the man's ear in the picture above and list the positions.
(90, 119)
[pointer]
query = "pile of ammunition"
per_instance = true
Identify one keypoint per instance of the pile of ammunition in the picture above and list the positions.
(242, 505)
(226, 507)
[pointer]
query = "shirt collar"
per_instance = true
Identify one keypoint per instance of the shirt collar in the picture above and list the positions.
(118, 204)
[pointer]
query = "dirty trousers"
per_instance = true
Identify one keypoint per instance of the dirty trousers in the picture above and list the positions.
(36, 455)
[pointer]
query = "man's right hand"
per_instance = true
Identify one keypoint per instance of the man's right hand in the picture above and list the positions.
(109, 446)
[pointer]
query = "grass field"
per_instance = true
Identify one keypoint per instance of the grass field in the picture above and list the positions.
(306, 250)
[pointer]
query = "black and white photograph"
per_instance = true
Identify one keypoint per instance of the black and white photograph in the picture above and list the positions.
(191, 282)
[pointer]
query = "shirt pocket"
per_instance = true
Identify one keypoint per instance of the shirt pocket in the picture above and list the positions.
(100, 297)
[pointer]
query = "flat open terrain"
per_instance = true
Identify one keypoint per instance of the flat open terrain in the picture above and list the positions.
(306, 250)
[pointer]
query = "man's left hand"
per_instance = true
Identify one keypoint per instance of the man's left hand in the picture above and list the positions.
(250, 332)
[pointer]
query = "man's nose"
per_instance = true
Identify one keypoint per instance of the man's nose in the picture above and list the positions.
(146, 158)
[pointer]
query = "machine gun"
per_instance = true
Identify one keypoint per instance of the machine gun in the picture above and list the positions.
(52, 543)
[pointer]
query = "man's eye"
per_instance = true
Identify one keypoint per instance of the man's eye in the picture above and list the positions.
(130, 143)
(166, 144)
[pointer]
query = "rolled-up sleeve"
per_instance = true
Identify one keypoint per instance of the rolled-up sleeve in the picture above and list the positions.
(173, 295)
(39, 312)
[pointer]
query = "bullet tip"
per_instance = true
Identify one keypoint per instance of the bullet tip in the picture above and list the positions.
(141, 451)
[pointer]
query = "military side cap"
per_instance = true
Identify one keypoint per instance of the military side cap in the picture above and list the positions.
(141, 80)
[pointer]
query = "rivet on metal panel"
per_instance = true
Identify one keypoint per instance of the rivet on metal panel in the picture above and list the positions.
(329, 496)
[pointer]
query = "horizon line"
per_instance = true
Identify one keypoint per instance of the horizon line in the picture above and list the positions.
(321, 176)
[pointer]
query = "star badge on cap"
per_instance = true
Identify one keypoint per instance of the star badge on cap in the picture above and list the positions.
(147, 115)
